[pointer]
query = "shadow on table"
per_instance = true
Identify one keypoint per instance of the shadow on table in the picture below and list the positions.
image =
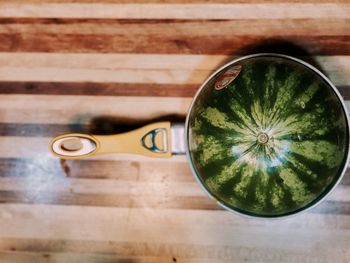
(281, 46)
(104, 125)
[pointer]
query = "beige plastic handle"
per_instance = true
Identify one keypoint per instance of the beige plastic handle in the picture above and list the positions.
(152, 140)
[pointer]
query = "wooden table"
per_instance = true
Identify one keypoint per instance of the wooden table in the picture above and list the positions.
(108, 66)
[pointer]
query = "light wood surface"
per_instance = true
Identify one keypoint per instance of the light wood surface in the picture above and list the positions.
(112, 65)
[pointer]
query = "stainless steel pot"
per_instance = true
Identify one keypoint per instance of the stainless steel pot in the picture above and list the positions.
(288, 167)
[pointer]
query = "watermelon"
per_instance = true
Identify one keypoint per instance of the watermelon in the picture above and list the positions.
(270, 140)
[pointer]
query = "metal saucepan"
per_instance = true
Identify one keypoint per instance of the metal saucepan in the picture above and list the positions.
(267, 135)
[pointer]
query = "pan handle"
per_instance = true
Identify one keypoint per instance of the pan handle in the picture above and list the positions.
(152, 140)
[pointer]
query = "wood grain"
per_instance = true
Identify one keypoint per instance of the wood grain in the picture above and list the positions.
(111, 62)
(157, 69)
(174, 44)
(177, 11)
(174, 1)
(88, 109)
(113, 65)
(111, 89)
(180, 36)
(181, 28)
(85, 109)
(106, 89)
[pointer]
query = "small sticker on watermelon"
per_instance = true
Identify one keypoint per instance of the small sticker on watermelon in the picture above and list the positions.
(227, 77)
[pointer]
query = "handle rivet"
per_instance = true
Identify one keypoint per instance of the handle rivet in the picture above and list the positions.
(71, 145)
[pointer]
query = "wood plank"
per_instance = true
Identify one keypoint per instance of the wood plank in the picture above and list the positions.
(47, 130)
(105, 89)
(152, 69)
(111, 62)
(49, 109)
(120, 200)
(145, 69)
(340, 193)
(176, 11)
(161, 189)
(175, 1)
(127, 61)
(28, 257)
(152, 170)
(101, 127)
(171, 252)
(189, 43)
(72, 215)
(166, 76)
(177, 28)
(137, 226)
(88, 109)
(98, 89)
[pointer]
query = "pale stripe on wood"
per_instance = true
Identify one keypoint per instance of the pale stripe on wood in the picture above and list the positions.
(158, 252)
(155, 170)
(166, 76)
(175, 1)
(341, 193)
(140, 61)
(43, 184)
(181, 29)
(177, 11)
(123, 61)
(137, 225)
(83, 109)
(133, 68)
(175, 217)
(62, 184)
